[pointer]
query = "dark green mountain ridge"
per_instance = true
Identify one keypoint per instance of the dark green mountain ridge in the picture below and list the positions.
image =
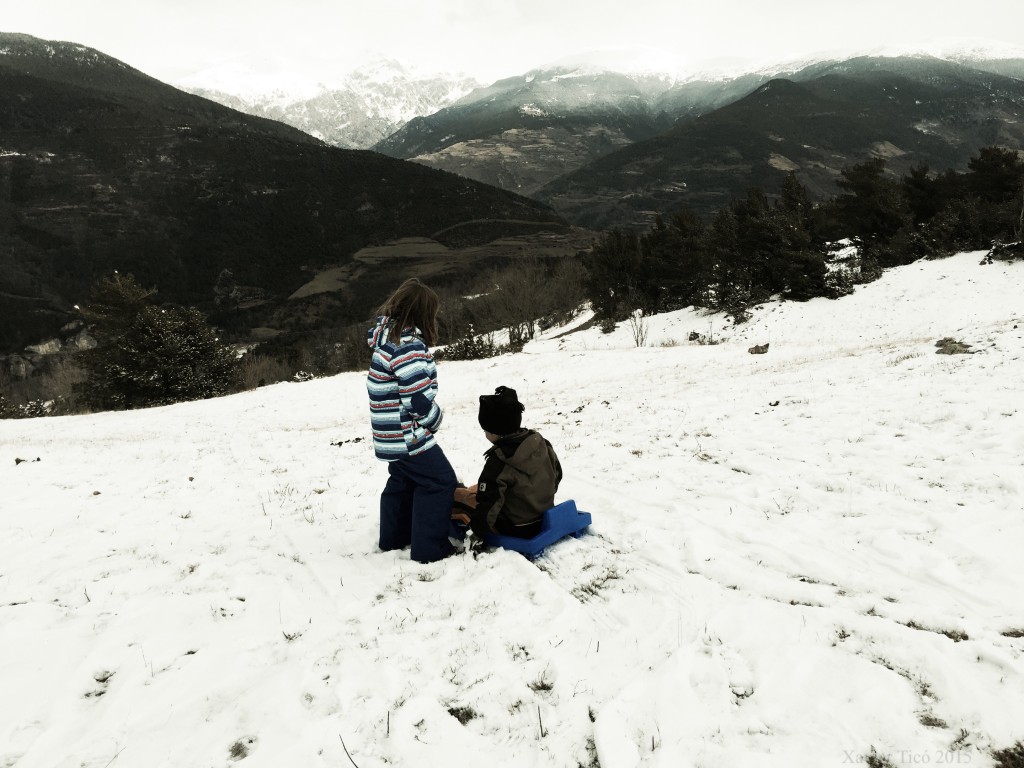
(103, 167)
(910, 111)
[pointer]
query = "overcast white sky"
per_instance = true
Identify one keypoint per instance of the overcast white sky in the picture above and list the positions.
(171, 39)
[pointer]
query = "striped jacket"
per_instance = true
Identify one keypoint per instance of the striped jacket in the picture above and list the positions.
(402, 385)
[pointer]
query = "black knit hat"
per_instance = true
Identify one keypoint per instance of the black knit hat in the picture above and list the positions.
(501, 413)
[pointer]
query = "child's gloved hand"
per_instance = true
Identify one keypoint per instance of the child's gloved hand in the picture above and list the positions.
(466, 496)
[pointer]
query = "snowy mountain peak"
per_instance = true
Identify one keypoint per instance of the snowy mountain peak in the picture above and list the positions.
(352, 105)
(649, 63)
(252, 83)
(957, 49)
(642, 62)
(271, 78)
(358, 101)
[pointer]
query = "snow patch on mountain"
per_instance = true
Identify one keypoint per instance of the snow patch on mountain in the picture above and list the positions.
(252, 85)
(958, 49)
(18, 45)
(352, 108)
(358, 106)
(643, 62)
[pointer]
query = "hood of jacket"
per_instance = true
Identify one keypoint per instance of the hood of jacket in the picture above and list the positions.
(377, 336)
(524, 451)
(380, 333)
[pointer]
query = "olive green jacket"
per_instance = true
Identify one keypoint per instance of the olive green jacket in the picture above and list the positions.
(519, 479)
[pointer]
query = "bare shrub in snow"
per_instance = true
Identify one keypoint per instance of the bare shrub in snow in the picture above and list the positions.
(639, 327)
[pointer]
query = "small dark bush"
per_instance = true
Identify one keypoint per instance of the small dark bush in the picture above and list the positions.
(875, 760)
(470, 347)
(1011, 757)
(463, 714)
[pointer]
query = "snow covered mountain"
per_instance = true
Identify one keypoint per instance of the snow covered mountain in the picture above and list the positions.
(354, 110)
(978, 53)
(522, 132)
(911, 110)
(361, 107)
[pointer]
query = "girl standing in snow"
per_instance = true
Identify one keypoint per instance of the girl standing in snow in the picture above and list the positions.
(416, 503)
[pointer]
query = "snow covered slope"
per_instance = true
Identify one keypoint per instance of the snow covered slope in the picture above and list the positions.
(796, 558)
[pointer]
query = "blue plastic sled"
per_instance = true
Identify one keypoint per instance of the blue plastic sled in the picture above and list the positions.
(560, 521)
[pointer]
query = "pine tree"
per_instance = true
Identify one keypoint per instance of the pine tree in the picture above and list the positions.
(995, 175)
(612, 270)
(794, 201)
(728, 281)
(675, 252)
(923, 194)
(148, 355)
(874, 207)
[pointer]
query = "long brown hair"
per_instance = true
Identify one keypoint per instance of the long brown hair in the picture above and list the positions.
(413, 304)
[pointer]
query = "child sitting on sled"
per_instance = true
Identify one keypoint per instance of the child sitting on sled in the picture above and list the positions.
(520, 475)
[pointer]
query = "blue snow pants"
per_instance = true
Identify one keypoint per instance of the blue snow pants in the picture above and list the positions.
(416, 505)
